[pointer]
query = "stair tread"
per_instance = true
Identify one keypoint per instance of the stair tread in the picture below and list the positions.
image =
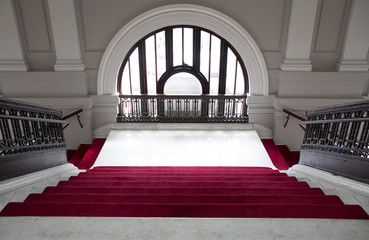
(195, 184)
(186, 210)
(191, 190)
(182, 198)
(184, 178)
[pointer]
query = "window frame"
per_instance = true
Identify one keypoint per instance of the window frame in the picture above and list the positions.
(194, 70)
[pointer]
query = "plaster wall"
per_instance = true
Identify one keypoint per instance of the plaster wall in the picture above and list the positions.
(266, 21)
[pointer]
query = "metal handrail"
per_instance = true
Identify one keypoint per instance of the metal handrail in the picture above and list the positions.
(75, 113)
(33, 119)
(166, 96)
(293, 114)
(335, 120)
(290, 113)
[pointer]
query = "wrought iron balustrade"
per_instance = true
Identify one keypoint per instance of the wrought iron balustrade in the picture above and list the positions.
(27, 128)
(338, 137)
(182, 108)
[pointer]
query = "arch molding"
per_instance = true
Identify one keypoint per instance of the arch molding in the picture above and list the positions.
(182, 14)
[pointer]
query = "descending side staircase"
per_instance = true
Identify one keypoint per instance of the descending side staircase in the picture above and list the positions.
(86, 154)
(280, 155)
(253, 192)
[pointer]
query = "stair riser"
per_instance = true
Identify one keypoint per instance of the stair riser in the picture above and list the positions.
(288, 199)
(117, 190)
(187, 210)
(183, 178)
(186, 184)
(184, 174)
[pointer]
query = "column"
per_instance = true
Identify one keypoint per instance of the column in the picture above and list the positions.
(11, 50)
(356, 44)
(300, 35)
(66, 37)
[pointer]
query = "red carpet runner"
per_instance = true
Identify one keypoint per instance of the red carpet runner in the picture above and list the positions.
(274, 154)
(90, 156)
(252, 192)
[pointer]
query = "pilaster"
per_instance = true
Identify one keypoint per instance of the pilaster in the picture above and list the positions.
(66, 37)
(11, 51)
(355, 49)
(300, 35)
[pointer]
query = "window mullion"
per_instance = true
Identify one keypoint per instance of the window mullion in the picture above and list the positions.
(235, 77)
(223, 66)
(156, 60)
(196, 49)
(182, 46)
(130, 75)
(169, 48)
(210, 40)
(142, 67)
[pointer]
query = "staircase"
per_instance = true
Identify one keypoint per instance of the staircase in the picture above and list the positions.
(280, 155)
(211, 192)
(247, 192)
(86, 154)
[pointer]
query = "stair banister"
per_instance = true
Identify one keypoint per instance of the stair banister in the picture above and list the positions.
(337, 140)
(31, 138)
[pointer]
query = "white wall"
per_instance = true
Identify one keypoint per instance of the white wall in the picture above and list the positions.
(267, 22)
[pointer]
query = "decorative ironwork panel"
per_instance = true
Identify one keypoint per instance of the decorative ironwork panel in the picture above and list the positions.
(340, 129)
(25, 128)
(188, 108)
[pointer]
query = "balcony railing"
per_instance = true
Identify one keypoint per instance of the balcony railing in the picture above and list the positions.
(28, 131)
(183, 108)
(336, 139)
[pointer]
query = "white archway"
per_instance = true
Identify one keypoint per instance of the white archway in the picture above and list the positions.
(182, 14)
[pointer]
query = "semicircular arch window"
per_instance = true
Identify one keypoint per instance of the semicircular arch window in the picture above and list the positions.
(155, 61)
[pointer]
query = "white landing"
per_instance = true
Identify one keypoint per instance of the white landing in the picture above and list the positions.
(183, 148)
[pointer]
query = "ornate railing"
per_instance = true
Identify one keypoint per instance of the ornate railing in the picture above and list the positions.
(341, 132)
(182, 108)
(28, 130)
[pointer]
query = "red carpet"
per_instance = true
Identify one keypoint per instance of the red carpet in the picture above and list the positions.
(291, 157)
(245, 192)
(274, 154)
(91, 154)
(78, 155)
(70, 153)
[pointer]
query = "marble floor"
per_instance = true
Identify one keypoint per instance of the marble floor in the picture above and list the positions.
(183, 148)
(180, 228)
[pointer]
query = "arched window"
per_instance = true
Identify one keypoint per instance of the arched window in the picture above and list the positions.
(183, 74)
(170, 52)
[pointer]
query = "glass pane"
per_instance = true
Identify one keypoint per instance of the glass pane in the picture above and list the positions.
(150, 65)
(160, 48)
(182, 83)
(135, 72)
(240, 81)
(188, 48)
(126, 85)
(177, 46)
(214, 66)
(204, 54)
(231, 72)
